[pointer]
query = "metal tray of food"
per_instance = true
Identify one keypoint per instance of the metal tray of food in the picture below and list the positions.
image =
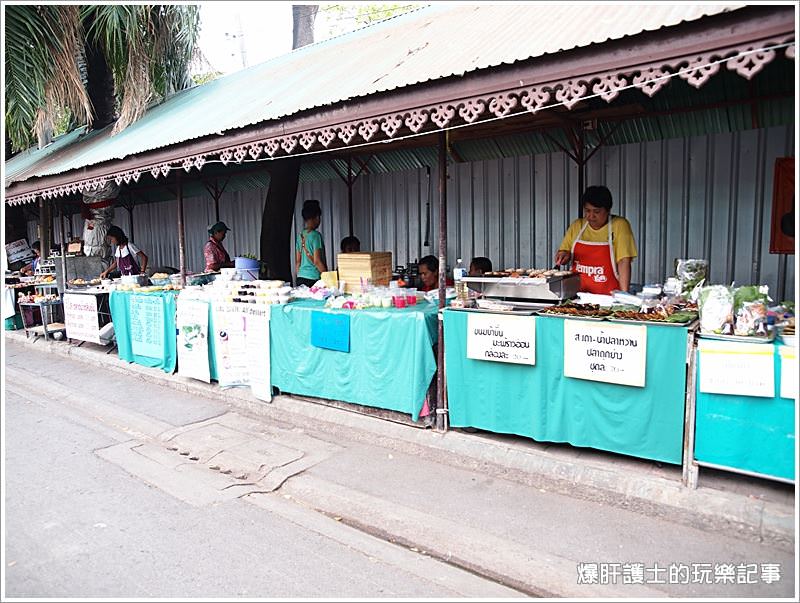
(555, 288)
(571, 316)
(509, 312)
(662, 323)
(770, 338)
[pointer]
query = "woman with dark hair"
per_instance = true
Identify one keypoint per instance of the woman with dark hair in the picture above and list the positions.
(429, 274)
(599, 246)
(30, 269)
(310, 250)
(127, 257)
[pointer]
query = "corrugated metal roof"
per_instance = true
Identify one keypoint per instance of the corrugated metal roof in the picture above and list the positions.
(427, 44)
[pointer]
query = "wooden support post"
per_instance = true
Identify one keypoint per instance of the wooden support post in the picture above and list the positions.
(441, 402)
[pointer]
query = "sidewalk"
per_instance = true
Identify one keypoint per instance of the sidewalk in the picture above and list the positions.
(515, 510)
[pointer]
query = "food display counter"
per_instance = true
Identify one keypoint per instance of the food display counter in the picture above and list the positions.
(389, 364)
(644, 418)
(144, 325)
(745, 409)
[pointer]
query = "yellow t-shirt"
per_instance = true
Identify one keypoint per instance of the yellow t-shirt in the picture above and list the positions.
(621, 237)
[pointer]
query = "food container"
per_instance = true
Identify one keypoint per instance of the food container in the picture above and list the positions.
(411, 296)
(353, 267)
(134, 279)
(399, 301)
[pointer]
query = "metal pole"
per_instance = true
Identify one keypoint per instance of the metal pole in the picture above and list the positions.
(63, 250)
(581, 161)
(44, 229)
(181, 234)
(217, 195)
(350, 193)
(130, 219)
(441, 410)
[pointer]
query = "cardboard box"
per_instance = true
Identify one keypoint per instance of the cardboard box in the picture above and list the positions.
(375, 265)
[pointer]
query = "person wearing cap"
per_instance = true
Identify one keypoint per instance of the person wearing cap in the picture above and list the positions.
(214, 253)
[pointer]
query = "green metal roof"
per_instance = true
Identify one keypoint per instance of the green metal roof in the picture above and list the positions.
(435, 42)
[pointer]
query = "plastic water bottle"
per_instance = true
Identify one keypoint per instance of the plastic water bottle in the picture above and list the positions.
(459, 272)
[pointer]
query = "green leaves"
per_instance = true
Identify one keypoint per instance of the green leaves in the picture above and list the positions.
(147, 48)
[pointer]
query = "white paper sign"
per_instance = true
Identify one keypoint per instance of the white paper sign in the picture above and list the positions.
(737, 369)
(18, 251)
(230, 345)
(607, 352)
(257, 342)
(501, 338)
(789, 373)
(147, 325)
(80, 317)
(241, 340)
(192, 323)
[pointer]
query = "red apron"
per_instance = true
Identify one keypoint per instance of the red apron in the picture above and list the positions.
(595, 263)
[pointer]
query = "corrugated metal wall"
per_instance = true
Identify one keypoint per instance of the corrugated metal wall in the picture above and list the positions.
(708, 196)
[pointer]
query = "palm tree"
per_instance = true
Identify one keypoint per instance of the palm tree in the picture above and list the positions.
(91, 65)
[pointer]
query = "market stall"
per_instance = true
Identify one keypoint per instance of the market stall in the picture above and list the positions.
(558, 394)
(374, 357)
(87, 315)
(144, 324)
(745, 408)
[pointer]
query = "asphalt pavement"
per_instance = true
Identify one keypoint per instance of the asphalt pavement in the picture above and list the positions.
(117, 486)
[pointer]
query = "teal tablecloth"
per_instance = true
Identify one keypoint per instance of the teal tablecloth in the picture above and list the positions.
(540, 403)
(747, 432)
(390, 364)
(149, 340)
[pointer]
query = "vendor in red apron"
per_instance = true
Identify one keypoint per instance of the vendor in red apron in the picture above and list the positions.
(599, 247)
(128, 259)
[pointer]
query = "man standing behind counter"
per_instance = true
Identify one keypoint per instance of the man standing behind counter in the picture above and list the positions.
(599, 252)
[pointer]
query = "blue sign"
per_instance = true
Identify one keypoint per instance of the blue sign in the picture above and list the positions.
(330, 331)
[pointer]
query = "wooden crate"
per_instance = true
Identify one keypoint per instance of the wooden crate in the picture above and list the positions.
(375, 265)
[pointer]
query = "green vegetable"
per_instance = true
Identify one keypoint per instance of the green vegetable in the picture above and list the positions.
(749, 293)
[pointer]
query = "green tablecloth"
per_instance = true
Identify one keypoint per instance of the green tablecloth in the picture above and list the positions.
(390, 364)
(540, 403)
(144, 325)
(747, 432)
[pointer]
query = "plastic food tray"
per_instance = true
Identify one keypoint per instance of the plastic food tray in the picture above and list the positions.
(770, 338)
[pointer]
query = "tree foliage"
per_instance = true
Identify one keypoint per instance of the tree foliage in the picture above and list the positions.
(146, 47)
(347, 17)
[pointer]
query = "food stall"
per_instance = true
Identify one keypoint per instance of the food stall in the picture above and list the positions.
(563, 372)
(87, 314)
(144, 325)
(378, 357)
(743, 404)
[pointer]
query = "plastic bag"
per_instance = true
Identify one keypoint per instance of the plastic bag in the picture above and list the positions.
(716, 309)
(751, 319)
(692, 274)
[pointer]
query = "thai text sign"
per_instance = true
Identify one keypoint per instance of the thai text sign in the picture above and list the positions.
(147, 325)
(737, 369)
(80, 317)
(607, 352)
(18, 251)
(192, 323)
(501, 338)
(241, 341)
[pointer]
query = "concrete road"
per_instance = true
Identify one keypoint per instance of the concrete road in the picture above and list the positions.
(77, 525)
(120, 487)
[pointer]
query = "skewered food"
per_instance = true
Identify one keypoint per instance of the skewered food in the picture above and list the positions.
(570, 309)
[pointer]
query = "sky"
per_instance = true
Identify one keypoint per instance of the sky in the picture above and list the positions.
(261, 30)
(238, 34)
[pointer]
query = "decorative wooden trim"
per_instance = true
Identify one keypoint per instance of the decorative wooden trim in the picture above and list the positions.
(650, 78)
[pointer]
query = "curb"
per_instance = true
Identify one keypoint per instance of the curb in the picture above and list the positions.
(705, 508)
